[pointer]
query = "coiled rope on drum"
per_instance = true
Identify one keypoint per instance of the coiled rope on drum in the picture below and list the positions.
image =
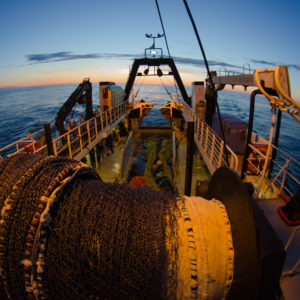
(25, 203)
(65, 234)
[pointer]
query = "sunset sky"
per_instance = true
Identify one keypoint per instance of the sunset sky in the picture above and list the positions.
(50, 42)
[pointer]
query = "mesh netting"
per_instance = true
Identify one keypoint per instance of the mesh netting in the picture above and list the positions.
(104, 241)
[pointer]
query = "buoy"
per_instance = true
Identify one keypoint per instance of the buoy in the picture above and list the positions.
(137, 181)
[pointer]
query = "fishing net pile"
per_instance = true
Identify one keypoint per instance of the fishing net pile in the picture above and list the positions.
(64, 234)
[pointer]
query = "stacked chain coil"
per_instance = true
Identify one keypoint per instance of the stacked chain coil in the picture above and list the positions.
(64, 234)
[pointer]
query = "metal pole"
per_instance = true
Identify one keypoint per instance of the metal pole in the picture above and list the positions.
(215, 101)
(163, 28)
(48, 137)
(189, 158)
(278, 123)
(268, 154)
(249, 134)
(200, 44)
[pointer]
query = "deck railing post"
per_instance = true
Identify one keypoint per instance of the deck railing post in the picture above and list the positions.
(69, 145)
(33, 146)
(206, 139)
(101, 121)
(54, 147)
(96, 129)
(201, 137)
(80, 138)
(283, 181)
(221, 154)
(88, 130)
(198, 128)
(212, 148)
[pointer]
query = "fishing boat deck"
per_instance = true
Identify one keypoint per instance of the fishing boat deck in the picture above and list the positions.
(289, 284)
(109, 168)
(78, 142)
(200, 171)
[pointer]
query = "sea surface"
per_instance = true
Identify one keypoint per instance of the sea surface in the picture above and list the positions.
(26, 109)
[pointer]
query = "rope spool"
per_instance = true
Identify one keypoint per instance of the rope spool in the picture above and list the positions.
(65, 234)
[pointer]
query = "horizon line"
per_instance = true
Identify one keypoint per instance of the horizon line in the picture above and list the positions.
(227, 88)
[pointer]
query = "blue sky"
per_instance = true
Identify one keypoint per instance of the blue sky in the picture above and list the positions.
(48, 42)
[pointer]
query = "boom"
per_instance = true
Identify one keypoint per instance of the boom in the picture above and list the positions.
(82, 95)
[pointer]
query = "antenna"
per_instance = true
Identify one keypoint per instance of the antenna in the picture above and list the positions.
(152, 51)
(150, 36)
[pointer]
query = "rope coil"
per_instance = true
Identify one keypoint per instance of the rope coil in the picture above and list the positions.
(65, 234)
(61, 240)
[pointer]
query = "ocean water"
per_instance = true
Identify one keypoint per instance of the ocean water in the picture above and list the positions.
(27, 109)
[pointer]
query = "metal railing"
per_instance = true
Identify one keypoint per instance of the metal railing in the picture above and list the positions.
(281, 175)
(31, 143)
(187, 111)
(211, 146)
(76, 139)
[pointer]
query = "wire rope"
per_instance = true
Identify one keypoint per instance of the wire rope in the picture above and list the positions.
(209, 76)
(165, 36)
(167, 91)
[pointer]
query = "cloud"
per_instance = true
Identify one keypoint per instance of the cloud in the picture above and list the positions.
(58, 56)
(200, 62)
(65, 56)
(296, 67)
(273, 64)
(119, 55)
(263, 62)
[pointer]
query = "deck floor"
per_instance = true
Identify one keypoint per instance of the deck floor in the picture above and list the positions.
(109, 171)
(109, 168)
(290, 285)
(200, 171)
